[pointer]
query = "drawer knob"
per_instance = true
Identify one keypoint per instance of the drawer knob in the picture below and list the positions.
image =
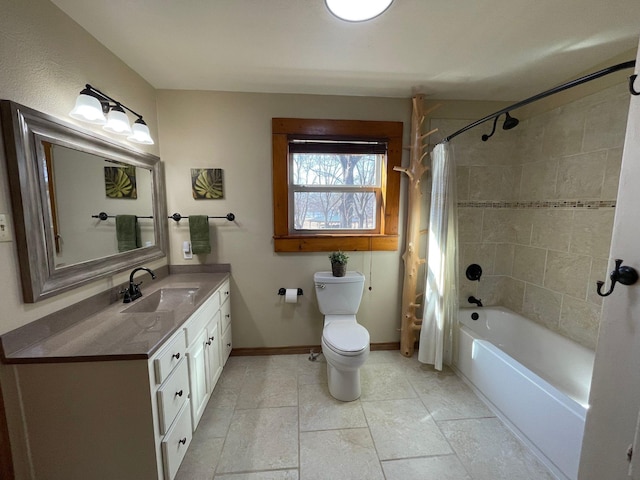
(228, 315)
(179, 394)
(212, 338)
(176, 355)
(229, 344)
(208, 342)
(183, 441)
(226, 293)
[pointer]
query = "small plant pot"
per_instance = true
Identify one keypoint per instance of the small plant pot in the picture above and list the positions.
(339, 269)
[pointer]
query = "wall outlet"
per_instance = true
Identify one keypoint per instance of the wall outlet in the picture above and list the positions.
(5, 233)
(186, 250)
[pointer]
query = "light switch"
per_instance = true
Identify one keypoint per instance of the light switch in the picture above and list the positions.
(5, 234)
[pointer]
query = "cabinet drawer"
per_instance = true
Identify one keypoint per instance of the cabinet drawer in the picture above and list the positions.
(225, 311)
(169, 357)
(225, 291)
(201, 317)
(176, 443)
(172, 395)
(226, 345)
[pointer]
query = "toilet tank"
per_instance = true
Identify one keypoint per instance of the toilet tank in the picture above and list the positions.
(338, 295)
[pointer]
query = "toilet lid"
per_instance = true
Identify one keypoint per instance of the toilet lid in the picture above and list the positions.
(346, 337)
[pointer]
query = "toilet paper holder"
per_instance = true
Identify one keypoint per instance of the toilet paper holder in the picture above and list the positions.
(282, 291)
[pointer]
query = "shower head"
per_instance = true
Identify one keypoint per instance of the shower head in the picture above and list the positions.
(510, 122)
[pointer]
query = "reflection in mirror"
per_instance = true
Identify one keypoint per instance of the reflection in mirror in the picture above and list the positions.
(80, 185)
(61, 177)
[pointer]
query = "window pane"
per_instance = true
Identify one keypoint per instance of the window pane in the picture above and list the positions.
(334, 211)
(336, 169)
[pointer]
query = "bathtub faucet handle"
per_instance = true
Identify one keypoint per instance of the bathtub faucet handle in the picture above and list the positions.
(624, 274)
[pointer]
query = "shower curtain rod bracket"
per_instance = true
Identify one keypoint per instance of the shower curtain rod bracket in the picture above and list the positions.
(632, 80)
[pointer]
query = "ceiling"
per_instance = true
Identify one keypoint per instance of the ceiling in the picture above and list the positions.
(447, 49)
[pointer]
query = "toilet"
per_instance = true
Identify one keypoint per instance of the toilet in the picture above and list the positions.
(345, 343)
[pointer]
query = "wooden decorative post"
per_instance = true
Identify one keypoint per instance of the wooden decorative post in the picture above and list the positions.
(418, 151)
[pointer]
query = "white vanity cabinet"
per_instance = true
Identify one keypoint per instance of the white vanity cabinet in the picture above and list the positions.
(205, 354)
(225, 323)
(126, 419)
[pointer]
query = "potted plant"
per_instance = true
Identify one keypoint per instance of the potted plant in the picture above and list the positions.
(338, 263)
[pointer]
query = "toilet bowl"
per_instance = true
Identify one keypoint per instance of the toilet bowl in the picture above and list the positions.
(345, 343)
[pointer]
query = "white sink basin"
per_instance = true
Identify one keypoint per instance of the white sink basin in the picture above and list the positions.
(165, 299)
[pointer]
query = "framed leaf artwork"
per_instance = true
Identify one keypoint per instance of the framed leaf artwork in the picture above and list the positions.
(120, 182)
(207, 183)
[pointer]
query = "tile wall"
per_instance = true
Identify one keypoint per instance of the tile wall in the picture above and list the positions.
(536, 207)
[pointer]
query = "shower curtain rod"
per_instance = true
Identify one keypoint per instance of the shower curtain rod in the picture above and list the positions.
(546, 93)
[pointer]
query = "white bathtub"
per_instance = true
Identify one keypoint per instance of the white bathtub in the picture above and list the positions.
(535, 379)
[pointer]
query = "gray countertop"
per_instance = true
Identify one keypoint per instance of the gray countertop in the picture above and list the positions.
(114, 334)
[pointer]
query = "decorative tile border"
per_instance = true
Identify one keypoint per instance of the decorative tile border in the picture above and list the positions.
(593, 204)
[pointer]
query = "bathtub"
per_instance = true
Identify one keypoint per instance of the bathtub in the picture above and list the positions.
(535, 379)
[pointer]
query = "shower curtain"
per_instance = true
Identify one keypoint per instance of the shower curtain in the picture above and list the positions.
(441, 286)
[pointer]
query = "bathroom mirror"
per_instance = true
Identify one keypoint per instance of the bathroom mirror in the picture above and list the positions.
(64, 181)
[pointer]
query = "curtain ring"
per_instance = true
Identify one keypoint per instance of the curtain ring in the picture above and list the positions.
(632, 80)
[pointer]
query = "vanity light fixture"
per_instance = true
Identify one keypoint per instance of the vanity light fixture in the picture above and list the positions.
(357, 10)
(91, 107)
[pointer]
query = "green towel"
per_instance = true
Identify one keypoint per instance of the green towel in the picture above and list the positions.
(199, 231)
(127, 232)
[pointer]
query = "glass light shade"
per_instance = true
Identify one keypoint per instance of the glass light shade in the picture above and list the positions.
(140, 133)
(118, 122)
(88, 109)
(357, 10)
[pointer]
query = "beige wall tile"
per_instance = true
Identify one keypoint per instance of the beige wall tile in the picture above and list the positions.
(528, 264)
(504, 259)
(567, 273)
(506, 225)
(542, 305)
(580, 321)
(496, 183)
(528, 140)
(489, 290)
(462, 183)
(563, 131)
(470, 224)
(581, 176)
(513, 294)
(612, 174)
(538, 180)
(605, 123)
(552, 229)
(592, 230)
(484, 254)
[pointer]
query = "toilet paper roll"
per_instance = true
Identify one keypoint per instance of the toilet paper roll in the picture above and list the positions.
(291, 295)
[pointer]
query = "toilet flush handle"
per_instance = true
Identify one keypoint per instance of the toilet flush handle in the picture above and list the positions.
(320, 285)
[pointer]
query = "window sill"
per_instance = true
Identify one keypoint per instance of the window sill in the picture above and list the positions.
(332, 242)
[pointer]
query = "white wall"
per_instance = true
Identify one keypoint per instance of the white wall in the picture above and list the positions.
(232, 131)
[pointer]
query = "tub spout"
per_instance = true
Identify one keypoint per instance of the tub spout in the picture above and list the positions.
(475, 300)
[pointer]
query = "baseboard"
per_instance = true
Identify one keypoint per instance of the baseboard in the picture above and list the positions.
(303, 349)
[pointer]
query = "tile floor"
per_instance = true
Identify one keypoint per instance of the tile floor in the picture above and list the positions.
(272, 418)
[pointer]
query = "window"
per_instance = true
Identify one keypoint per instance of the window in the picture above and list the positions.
(334, 185)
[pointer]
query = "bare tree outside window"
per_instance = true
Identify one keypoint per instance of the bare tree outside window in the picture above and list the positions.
(335, 191)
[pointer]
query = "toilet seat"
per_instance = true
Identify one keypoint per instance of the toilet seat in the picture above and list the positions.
(348, 339)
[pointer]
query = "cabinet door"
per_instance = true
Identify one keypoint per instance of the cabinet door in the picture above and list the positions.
(214, 363)
(198, 377)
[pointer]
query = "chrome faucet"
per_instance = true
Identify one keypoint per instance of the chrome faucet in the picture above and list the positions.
(133, 292)
(475, 300)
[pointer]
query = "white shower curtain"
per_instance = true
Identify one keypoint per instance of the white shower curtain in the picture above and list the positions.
(441, 286)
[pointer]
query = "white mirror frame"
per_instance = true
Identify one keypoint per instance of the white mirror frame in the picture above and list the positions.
(24, 129)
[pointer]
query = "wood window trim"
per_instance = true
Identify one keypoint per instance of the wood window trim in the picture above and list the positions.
(387, 239)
